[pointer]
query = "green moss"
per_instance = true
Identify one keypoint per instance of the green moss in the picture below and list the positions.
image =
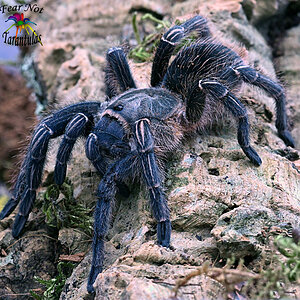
(146, 47)
(61, 209)
(55, 285)
(291, 251)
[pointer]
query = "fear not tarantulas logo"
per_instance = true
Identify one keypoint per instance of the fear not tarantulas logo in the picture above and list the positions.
(21, 23)
(25, 34)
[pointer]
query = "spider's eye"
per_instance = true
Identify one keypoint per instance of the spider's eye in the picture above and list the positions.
(118, 107)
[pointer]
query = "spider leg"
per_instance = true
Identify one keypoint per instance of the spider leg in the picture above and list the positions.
(106, 195)
(34, 167)
(158, 200)
(92, 150)
(170, 40)
(276, 91)
(221, 93)
(17, 191)
(118, 76)
(30, 175)
(73, 131)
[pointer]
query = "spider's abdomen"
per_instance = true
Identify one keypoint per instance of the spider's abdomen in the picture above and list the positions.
(205, 59)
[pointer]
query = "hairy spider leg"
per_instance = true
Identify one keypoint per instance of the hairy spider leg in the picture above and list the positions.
(35, 161)
(109, 184)
(106, 196)
(30, 175)
(118, 78)
(276, 91)
(170, 40)
(17, 191)
(73, 130)
(98, 140)
(92, 150)
(221, 93)
(158, 200)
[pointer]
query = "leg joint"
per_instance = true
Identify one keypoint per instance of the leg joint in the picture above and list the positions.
(85, 117)
(250, 75)
(114, 49)
(214, 87)
(47, 128)
(236, 71)
(172, 36)
(143, 135)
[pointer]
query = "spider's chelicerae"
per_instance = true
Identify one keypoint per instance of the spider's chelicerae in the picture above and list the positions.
(130, 134)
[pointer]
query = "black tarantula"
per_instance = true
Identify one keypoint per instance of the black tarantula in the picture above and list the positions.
(133, 131)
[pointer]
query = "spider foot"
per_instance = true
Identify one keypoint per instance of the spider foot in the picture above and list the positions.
(95, 270)
(19, 225)
(252, 155)
(164, 233)
(8, 208)
(286, 136)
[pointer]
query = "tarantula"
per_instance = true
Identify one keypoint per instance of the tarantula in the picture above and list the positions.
(130, 134)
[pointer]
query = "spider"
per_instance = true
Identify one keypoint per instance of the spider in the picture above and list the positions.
(129, 135)
(21, 23)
